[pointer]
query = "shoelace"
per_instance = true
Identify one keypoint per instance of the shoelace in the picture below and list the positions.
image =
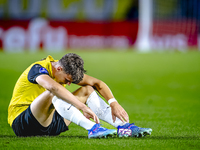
(102, 128)
(133, 126)
(98, 128)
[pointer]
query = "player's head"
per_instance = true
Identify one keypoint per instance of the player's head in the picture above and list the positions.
(73, 64)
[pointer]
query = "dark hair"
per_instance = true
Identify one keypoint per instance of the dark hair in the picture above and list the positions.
(73, 65)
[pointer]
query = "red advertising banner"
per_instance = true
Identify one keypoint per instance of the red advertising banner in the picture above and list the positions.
(172, 34)
(59, 35)
(17, 36)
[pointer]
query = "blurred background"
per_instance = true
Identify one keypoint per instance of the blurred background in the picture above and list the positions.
(59, 25)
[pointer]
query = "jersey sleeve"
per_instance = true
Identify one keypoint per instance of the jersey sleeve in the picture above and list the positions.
(35, 71)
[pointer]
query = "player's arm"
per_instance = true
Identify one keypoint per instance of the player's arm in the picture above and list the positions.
(98, 85)
(104, 90)
(62, 93)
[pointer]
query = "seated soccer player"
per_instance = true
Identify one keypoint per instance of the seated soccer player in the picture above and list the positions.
(41, 105)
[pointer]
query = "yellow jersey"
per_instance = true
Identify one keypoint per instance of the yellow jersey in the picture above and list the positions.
(26, 89)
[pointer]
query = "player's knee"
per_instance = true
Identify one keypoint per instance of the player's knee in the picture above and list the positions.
(88, 90)
(48, 94)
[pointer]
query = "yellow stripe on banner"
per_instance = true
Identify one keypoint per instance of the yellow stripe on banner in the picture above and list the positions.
(25, 4)
(122, 7)
(117, 12)
(3, 2)
(66, 3)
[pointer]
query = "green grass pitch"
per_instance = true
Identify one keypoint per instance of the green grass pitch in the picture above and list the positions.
(158, 90)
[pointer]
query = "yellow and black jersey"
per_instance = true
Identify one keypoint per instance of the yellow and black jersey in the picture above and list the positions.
(26, 89)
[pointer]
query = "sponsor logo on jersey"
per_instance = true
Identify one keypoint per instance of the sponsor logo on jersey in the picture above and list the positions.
(43, 70)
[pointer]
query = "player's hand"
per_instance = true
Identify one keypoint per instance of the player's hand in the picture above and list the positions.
(119, 112)
(88, 113)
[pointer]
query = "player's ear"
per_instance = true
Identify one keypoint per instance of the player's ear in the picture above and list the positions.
(59, 68)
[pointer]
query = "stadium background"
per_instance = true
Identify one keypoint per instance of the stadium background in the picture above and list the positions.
(57, 25)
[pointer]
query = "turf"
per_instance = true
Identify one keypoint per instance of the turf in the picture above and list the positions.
(158, 90)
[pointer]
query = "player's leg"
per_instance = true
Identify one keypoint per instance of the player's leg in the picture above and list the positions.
(83, 93)
(103, 111)
(40, 118)
(71, 113)
(87, 95)
(42, 108)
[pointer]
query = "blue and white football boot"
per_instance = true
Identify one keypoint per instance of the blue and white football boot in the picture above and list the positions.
(100, 132)
(131, 130)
